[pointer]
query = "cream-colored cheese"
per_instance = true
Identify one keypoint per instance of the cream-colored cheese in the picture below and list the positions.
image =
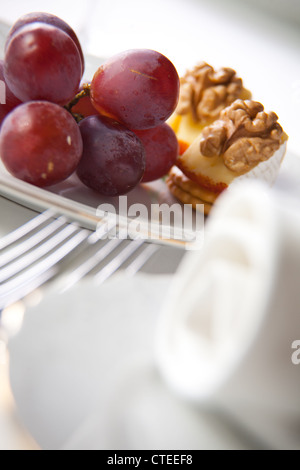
(214, 169)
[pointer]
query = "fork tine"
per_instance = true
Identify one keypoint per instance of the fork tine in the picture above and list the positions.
(87, 266)
(21, 291)
(140, 261)
(46, 240)
(35, 268)
(32, 256)
(68, 280)
(20, 232)
(22, 284)
(109, 269)
(28, 243)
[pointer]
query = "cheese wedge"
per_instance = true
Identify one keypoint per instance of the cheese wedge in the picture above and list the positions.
(212, 174)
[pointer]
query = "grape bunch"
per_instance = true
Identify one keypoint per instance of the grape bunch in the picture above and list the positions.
(112, 131)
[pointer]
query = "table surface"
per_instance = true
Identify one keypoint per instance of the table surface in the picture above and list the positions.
(262, 45)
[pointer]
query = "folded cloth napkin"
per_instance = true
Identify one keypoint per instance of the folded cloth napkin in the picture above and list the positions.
(231, 319)
(83, 374)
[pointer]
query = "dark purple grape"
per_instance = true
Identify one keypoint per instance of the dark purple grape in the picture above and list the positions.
(47, 18)
(40, 143)
(10, 100)
(162, 149)
(139, 88)
(113, 160)
(42, 63)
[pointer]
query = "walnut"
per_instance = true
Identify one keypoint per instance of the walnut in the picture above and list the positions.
(244, 135)
(212, 139)
(205, 92)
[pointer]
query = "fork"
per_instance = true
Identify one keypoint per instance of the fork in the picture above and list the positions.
(49, 247)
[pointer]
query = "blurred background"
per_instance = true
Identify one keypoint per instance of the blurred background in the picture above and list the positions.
(260, 39)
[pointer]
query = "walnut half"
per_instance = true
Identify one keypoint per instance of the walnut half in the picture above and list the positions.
(244, 136)
(205, 92)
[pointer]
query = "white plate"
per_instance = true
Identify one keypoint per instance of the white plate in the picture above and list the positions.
(80, 203)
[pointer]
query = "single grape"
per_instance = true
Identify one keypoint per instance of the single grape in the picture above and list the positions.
(161, 146)
(113, 160)
(47, 18)
(40, 143)
(6, 95)
(84, 106)
(42, 63)
(138, 88)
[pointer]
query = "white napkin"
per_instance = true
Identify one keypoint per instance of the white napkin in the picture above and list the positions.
(83, 374)
(229, 323)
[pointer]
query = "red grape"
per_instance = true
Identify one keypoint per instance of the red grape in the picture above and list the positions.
(162, 148)
(42, 63)
(138, 88)
(40, 143)
(113, 160)
(10, 100)
(47, 18)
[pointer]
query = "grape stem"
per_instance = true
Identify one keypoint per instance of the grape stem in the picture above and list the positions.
(86, 89)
